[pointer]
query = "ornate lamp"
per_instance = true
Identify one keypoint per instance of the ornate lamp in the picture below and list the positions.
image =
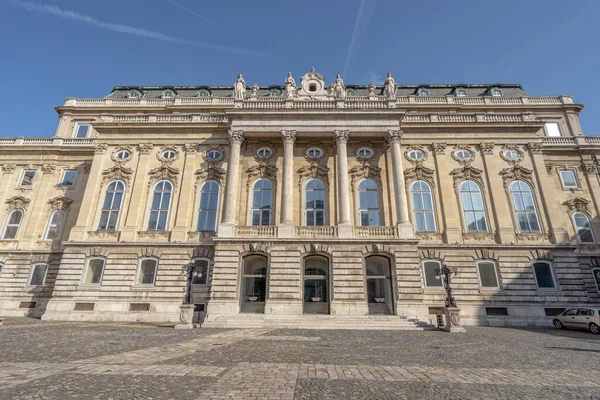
(192, 270)
(445, 273)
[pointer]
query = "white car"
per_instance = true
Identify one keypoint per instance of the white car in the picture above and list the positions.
(579, 318)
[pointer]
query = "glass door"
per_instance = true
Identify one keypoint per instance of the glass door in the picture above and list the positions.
(254, 284)
(380, 296)
(316, 285)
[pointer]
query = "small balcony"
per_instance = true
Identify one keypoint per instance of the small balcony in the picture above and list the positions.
(324, 232)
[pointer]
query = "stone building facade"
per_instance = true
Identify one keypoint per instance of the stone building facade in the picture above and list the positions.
(340, 200)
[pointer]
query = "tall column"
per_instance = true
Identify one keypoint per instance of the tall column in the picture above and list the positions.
(232, 184)
(185, 205)
(286, 227)
(405, 228)
(344, 223)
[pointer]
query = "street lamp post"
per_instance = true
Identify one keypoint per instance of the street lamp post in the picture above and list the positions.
(186, 310)
(451, 311)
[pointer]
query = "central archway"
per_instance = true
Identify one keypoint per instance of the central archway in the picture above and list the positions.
(316, 285)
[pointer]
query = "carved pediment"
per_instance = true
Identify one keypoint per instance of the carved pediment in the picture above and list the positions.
(211, 173)
(60, 203)
(262, 170)
(364, 170)
(312, 85)
(418, 172)
(577, 204)
(165, 171)
(314, 170)
(466, 172)
(118, 172)
(515, 173)
(18, 202)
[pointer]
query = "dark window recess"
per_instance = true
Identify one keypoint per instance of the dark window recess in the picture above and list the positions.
(27, 304)
(496, 311)
(312, 87)
(551, 312)
(199, 308)
(84, 307)
(436, 310)
(139, 306)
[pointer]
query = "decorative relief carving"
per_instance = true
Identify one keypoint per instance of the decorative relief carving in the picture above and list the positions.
(196, 235)
(439, 148)
(511, 148)
(213, 148)
(535, 148)
(87, 167)
(463, 160)
(165, 171)
(314, 170)
(262, 170)
(394, 136)
(417, 148)
(48, 168)
(154, 235)
(515, 173)
(419, 172)
(364, 170)
(163, 149)
(145, 148)
(18, 202)
(577, 204)
(479, 237)
(341, 136)
(288, 136)
(429, 236)
(116, 159)
(236, 137)
(118, 172)
(487, 147)
(9, 168)
(532, 237)
(100, 148)
(466, 172)
(60, 203)
(113, 235)
(213, 172)
(190, 147)
(589, 168)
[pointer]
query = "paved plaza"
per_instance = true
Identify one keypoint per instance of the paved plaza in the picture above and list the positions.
(134, 361)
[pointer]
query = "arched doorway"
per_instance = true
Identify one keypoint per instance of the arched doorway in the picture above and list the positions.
(254, 284)
(380, 296)
(316, 285)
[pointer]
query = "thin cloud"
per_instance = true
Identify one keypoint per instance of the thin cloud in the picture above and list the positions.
(374, 77)
(366, 7)
(130, 30)
(191, 12)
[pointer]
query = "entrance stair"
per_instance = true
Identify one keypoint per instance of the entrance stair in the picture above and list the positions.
(312, 321)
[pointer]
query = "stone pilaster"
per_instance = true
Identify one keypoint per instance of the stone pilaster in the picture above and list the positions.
(344, 223)
(135, 209)
(451, 217)
(286, 227)
(232, 185)
(38, 217)
(186, 204)
(405, 228)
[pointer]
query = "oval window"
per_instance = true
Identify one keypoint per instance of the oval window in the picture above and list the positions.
(214, 154)
(511, 154)
(314, 152)
(264, 152)
(463, 154)
(364, 152)
(169, 154)
(123, 154)
(416, 155)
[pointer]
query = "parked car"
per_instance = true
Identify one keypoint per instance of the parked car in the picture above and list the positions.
(579, 318)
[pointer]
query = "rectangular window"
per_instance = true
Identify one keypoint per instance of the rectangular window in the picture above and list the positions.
(147, 271)
(200, 274)
(27, 178)
(94, 271)
(68, 178)
(552, 128)
(543, 275)
(568, 179)
(496, 311)
(82, 130)
(596, 273)
(38, 275)
(432, 274)
(488, 278)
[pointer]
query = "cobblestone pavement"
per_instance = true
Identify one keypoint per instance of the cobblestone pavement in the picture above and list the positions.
(134, 361)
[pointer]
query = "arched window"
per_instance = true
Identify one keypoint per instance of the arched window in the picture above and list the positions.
(262, 199)
(422, 207)
(525, 212)
(254, 283)
(472, 203)
(161, 203)
(13, 222)
(315, 203)
(209, 200)
(94, 271)
(543, 275)
(431, 274)
(368, 203)
(55, 225)
(583, 228)
(111, 208)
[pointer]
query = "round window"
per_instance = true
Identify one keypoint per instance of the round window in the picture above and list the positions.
(264, 152)
(314, 152)
(511, 154)
(463, 154)
(169, 154)
(214, 154)
(416, 155)
(123, 154)
(364, 152)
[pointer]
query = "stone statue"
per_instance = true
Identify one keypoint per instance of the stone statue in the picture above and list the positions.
(330, 90)
(371, 89)
(239, 88)
(339, 90)
(254, 89)
(389, 88)
(290, 86)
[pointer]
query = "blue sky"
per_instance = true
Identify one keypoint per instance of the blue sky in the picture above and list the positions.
(53, 49)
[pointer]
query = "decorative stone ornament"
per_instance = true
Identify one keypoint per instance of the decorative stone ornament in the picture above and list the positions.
(419, 172)
(60, 203)
(312, 86)
(239, 88)
(290, 86)
(48, 168)
(145, 148)
(122, 154)
(9, 168)
(487, 147)
(100, 148)
(262, 170)
(18, 202)
(314, 170)
(577, 204)
(466, 172)
(439, 148)
(389, 87)
(463, 154)
(535, 147)
(211, 173)
(167, 154)
(213, 154)
(339, 90)
(236, 137)
(364, 170)
(341, 136)
(118, 172)
(516, 173)
(165, 171)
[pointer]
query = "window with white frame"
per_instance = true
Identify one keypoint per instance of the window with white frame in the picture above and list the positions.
(524, 207)
(365, 152)
(416, 154)
(368, 203)
(315, 203)
(488, 274)
(55, 225)
(596, 273)
(473, 208)
(68, 178)
(111, 208)
(38, 274)
(264, 152)
(460, 92)
(209, 201)
(13, 222)
(568, 179)
(583, 228)
(552, 128)
(202, 267)
(496, 92)
(168, 94)
(314, 152)
(82, 130)
(169, 155)
(423, 92)
(422, 203)
(431, 274)
(463, 154)
(161, 203)
(147, 271)
(214, 154)
(27, 178)
(262, 201)
(123, 154)
(94, 271)
(543, 275)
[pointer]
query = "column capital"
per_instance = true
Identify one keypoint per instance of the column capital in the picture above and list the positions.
(236, 137)
(288, 136)
(394, 135)
(190, 147)
(341, 136)
(145, 148)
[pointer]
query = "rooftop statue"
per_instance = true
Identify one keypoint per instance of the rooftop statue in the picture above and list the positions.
(290, 86)
(239, 88)
(389, 88)
(339, 90)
